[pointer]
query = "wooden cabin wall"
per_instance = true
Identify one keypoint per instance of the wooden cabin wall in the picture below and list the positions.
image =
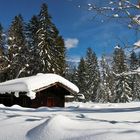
(23, 100)
(51, 97)
(7, 99)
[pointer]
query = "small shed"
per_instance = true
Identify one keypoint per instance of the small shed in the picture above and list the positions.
(36, 91)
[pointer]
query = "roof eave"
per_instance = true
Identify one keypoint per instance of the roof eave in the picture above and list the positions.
(56, 83)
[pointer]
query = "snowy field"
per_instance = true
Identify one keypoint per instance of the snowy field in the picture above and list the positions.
(78, 121)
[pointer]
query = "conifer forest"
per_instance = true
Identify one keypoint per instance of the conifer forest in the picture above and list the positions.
(37, 47)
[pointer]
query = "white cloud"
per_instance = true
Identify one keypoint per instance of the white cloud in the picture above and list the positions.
(71, 43)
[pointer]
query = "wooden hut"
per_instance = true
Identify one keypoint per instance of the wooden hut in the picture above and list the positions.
(36, 91)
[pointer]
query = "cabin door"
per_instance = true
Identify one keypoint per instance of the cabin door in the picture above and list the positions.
(50, 101)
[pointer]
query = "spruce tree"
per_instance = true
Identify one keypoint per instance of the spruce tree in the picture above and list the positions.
(123, 91)
(104, 92)
(3, 58)
(44, 37)
(17, 49)
(2, 50)
(93, 74)
(50, 43)
(134, 77)
(136, 88)
(119, 61)
(59, 61)
(33, 41)
(74, 76)
(72, 73)
(133, 61)
(139, 59)
(82, 78)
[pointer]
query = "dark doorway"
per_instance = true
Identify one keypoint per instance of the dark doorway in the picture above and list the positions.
(52, 97)
(50, 101)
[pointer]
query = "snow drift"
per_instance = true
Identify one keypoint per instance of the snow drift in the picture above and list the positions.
(78, 121)
(52, 129)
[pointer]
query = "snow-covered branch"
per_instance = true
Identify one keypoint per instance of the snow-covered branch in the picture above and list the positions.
(127, 10)
(137, 44)
(22, 70)
(127, 73)
(2, 68)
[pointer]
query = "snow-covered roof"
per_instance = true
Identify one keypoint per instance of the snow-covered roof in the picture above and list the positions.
(33, 83)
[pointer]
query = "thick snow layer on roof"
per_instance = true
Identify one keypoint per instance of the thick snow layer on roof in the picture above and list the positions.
(32, 83)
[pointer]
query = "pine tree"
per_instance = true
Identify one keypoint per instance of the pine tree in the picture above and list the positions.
(133, 61)
(136, 88)
(44, 36)
(119, 61)
(139, 59)
(82, 79)
(104, 92)
(74, 77)
(93, 74)
(72, 73)
(134, 77)
(51, 44)
(3, 58)
(17, 49)
(59, 62)
(123, 91)
(33, 41)
(2, 51)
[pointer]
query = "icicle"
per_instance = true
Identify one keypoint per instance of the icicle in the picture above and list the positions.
(16, 94)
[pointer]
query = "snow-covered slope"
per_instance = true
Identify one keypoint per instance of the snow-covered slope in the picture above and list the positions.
(78, 121)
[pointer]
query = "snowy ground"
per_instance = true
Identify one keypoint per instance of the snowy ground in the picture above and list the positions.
(78, 121)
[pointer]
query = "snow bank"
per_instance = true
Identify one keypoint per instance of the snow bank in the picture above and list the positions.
(60, 127)
(33, 83)
(1, 105)
(90, 121)
(52, 129)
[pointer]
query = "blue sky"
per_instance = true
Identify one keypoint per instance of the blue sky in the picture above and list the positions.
(75, 25)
